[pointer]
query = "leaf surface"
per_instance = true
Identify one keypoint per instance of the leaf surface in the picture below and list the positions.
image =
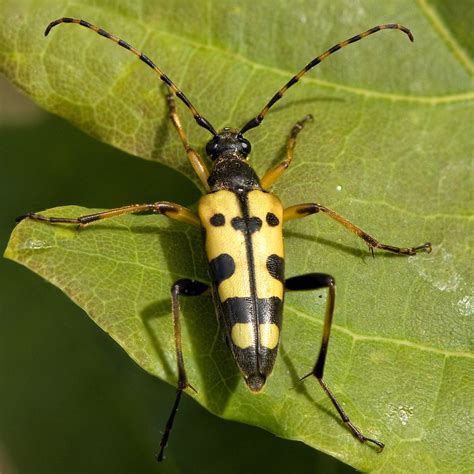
(390, 149)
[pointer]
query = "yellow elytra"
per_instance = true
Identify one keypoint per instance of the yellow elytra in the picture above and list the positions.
(243, 241)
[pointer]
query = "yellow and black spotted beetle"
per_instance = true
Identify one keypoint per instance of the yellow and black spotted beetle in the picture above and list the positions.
(242, 226)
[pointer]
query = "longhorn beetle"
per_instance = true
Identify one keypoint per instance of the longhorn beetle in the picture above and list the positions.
(242, 222)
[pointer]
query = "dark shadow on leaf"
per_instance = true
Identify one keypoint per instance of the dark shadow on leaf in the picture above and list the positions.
(208, 351)
(164, 127)
(344, 248)
(139, 228)
(293, 103)
(166, 134)
(321, 240)
(301, 386)
(213, 358)
(282, 150)
(298, 386)
(155, 310)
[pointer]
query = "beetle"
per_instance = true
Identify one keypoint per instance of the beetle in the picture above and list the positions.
(242, 222)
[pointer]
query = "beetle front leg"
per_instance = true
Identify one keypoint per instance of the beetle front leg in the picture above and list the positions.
(316, 281)
(184, 287)
(194, 158)
(303, 210)
(169, 209)
(274, 173)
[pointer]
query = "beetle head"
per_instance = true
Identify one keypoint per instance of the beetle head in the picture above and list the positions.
(228, 141)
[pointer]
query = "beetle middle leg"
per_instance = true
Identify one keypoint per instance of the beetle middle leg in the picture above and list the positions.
(183, 287)
(303, 210)
(169, 209)
(315, 281)
(274, 173)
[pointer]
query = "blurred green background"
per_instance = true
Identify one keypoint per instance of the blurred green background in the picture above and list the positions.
(71, 400)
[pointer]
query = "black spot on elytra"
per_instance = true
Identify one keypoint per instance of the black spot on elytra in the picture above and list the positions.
(272, 220)
(222, 267)
(253, 224)
(276, 267)
(217, 220)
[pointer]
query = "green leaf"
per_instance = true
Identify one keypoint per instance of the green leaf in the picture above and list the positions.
(390, 149)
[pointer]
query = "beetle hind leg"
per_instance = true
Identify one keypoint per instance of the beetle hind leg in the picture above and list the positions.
(315, 281)
(184, 287)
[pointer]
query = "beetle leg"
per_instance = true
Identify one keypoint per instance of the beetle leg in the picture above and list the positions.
(194, 158)
(303, 210)
(183, 287)
(315, 281)
(274, 173)
(169, 209)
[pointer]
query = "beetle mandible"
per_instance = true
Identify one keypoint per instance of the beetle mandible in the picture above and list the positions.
(242, 226)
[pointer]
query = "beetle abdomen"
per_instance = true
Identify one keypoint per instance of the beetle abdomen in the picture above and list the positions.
(253, 333)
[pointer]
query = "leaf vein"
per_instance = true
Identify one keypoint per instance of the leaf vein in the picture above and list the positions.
(446, 36)
(399, 342)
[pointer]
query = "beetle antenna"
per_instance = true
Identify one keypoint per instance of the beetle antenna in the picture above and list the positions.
(201, 121)
(255, 122)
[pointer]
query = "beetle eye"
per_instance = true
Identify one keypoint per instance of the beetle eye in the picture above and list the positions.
(211, 149)
(246, 147)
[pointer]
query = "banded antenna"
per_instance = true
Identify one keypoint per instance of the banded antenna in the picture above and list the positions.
(200, 120)
(256, 121)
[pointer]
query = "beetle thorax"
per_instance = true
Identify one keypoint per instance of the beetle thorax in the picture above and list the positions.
(232, 172)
